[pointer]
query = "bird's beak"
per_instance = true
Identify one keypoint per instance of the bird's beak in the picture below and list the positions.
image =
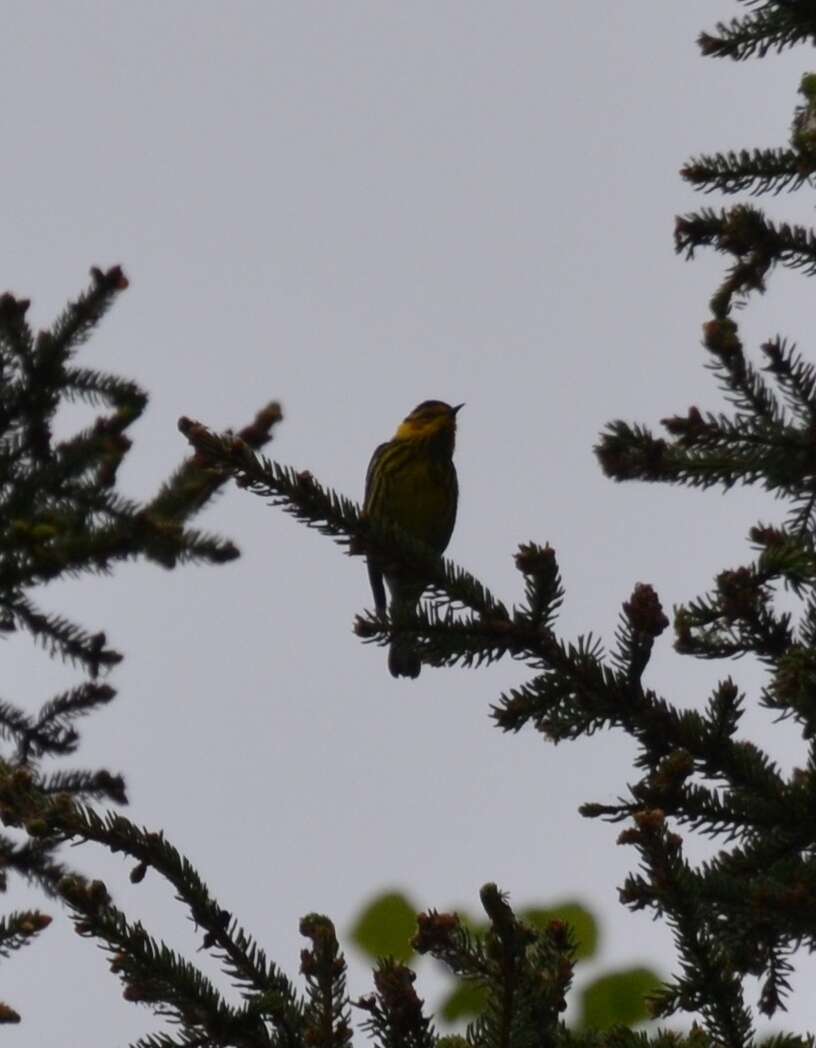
(455, 410)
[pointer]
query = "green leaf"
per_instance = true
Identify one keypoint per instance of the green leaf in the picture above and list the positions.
(384, 927)
(573, 913)
(618, 998)
(465, 1002)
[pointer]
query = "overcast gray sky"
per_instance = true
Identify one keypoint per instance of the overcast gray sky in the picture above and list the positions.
(354, 207)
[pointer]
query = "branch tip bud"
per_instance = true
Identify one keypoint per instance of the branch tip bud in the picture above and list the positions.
(645, 612)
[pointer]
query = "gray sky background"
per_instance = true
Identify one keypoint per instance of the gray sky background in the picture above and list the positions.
(354, 207)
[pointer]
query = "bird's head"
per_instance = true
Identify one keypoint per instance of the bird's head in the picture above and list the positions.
(430, 420)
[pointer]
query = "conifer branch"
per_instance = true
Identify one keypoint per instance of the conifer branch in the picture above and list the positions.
(327, 1018)
(14, 724)
(15, 335)
(19, 929)
(98, 388)
(155, 975)
(755, 171)
(795, 376)
(745, 233)
(708, 451)
(444, 638)
(100, 785)
(757, 916)
(52, 732)
(61, 636)
(580, 694)
(543, 588)
(395, 1014)
(79, 318)
(34, 861)
(774, 26)
(191, 486)
(186, 1039)
(709, 983)
(24, 803)
(737, 619)
(741, 384)
(525, 972)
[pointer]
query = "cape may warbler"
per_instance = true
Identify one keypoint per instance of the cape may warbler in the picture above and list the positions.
(411, 480)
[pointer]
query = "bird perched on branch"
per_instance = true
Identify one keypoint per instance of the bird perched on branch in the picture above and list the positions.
(411, 481)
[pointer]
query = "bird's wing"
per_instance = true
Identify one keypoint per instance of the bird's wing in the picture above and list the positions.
(375, 575)
(372, 466)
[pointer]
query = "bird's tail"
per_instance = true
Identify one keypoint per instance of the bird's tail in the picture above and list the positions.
(403, 657)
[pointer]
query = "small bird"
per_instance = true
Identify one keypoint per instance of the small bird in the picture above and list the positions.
(411, 481)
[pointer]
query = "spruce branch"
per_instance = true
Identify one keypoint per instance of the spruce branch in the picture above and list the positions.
(15, 335)
(84, 786)
(709, 983)
(444, 638)
(743, 386)
(524, 972)
(708, 452)
(758, 919)
(755, 171)
(580, 694)
(773, 26)
(186, 1039)
(191, 486)
(156, 976)
(18, 929)
(326, 1017)
(24, 803)
(80, 317)
(98, 388)
(542, 585)
(395, 1014)
(14, 724)
(60, 636)
(756, 243)
(795, 376)
(34, 861)
(738, 618)
(53, 732)
(732, 811)
(45, 360)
